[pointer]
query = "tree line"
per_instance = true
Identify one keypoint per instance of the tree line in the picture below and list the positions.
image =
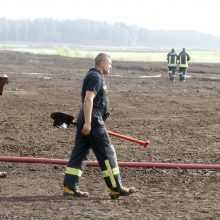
(87, 32)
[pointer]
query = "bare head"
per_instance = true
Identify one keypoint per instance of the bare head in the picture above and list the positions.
(103, 63)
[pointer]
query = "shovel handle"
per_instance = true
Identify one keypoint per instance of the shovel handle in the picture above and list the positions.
(144, 143)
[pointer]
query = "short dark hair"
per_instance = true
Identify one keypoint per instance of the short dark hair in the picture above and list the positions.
(101, 57)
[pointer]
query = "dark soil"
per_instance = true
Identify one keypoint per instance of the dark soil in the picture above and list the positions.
(181, 120)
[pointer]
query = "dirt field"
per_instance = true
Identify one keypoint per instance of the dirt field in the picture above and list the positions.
(181, 120)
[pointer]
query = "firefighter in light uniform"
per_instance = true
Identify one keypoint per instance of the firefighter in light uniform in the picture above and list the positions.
(184, 58)
(172, 59)
(92, 134)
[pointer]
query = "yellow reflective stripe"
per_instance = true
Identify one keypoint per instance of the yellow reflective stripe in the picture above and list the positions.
(110, 173)
(73, 171)
(115, 170)
(105, 173)
(183, 64)
(170, 61)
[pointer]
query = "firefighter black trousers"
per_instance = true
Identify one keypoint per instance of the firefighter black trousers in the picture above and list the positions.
(99, 141)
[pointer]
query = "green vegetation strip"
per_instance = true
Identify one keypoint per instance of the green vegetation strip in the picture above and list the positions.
(196, 56)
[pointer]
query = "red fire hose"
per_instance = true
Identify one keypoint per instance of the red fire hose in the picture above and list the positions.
(145, 143)
(121, 164)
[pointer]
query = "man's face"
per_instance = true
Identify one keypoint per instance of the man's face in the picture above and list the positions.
(107, 66)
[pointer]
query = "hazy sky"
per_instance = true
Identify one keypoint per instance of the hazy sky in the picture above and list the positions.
(197, 15)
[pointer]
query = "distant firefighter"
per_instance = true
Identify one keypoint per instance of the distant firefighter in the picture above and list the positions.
(172, 59)
(183, 58)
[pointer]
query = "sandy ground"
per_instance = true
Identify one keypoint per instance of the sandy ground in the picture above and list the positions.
(181, 120)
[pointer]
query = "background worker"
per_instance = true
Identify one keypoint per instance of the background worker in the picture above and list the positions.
(172, 59)
(92, 134)
(183, 58)
(3, 82)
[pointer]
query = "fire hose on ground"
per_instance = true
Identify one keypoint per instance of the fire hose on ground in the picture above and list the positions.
(61, 116)
(121, 164)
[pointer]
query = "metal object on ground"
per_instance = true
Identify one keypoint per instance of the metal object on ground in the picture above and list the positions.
(3, 82)
(3, 174)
